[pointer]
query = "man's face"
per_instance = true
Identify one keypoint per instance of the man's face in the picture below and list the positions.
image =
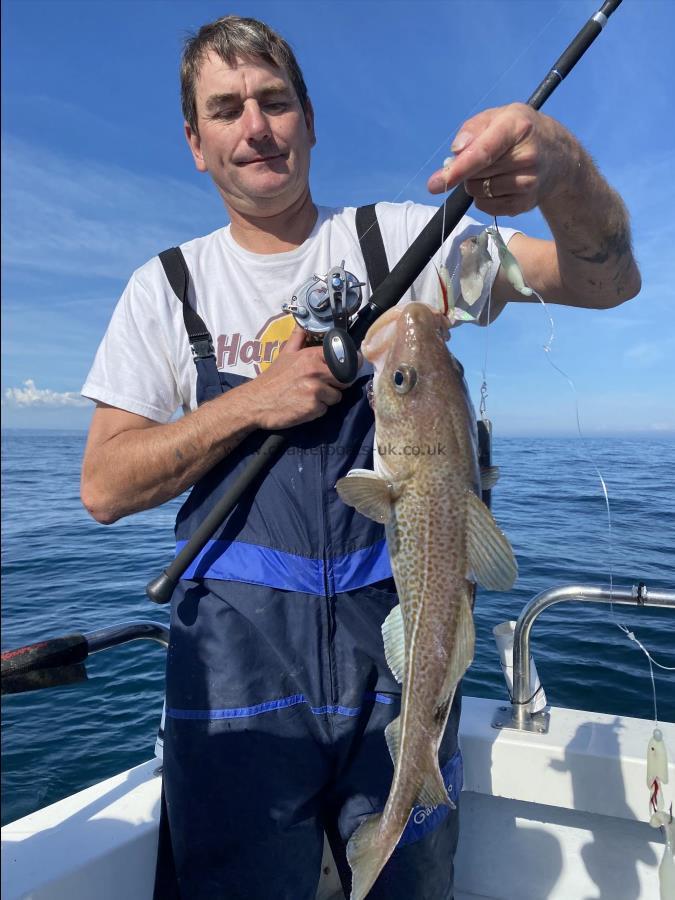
(254, 138)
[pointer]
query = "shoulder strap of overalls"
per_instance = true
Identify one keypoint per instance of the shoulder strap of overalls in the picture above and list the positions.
(176, 271)
(372, 245)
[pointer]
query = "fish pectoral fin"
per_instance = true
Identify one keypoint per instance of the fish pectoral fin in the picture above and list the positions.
(368, 493)
(489, 476)
(433, 791)
(490, 555)
(392, 735)
(393, 633)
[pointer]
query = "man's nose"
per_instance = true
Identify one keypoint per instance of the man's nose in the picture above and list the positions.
(255, 122)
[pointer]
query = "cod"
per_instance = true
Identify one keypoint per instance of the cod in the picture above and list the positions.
(441, 539)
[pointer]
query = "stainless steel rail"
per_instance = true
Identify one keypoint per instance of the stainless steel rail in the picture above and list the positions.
(520, 718)
(112, 635)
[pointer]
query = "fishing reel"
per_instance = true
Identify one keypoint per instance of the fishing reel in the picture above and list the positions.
(324, 308)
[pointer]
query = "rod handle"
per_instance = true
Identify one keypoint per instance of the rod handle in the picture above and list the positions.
(160, 589)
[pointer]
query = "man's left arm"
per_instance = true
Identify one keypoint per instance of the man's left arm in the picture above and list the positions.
(524, 159)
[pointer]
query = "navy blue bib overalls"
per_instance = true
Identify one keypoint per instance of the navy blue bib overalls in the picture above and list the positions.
(277, 689)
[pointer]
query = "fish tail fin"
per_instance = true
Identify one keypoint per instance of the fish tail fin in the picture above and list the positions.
(366, 856)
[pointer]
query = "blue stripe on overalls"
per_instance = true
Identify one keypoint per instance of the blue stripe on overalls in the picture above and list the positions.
(277, 687)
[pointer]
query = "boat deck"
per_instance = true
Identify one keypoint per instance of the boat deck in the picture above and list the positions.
(544, 817)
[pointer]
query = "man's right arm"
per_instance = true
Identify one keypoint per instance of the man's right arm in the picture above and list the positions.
(132, 463)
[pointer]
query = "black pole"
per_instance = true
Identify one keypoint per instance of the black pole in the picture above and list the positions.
(390, 291)
(160, 589)
(571, 56)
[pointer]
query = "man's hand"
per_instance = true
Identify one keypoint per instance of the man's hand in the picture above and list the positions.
(519, 156)
(296, 388)
(132, 463)
(512, 159)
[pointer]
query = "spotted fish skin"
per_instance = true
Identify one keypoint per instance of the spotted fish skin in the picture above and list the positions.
(426, 489)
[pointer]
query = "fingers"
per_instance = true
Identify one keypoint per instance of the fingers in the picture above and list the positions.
(487, 145)
(328, 395)
(503, 133)
(513, 205)
(296, 341)
(502, 185)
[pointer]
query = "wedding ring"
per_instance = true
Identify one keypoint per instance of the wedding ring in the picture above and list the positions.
(487, 190)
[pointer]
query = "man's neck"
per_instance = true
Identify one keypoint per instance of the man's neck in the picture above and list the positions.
(277, 233)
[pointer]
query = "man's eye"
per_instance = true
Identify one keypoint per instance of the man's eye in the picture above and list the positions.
(276, 105)
(227, 114)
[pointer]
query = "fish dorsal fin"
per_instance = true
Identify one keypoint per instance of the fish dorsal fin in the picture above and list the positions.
(392, 735)
(393, 633)
(368, 493)
(462, 655)
(490, 555)
(433, 791)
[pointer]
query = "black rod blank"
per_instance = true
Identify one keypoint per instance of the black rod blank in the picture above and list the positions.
(564, 65)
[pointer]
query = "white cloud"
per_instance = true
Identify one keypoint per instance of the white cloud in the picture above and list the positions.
(82, 218)
(30, 395)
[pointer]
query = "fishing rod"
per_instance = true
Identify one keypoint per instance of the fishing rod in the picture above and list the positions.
(341, 344)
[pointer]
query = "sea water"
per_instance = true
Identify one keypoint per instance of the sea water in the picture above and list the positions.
(64, 573)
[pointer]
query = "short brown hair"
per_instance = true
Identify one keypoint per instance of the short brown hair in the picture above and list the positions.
(232, 37)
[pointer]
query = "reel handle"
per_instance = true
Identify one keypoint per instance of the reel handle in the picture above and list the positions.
(340, 353)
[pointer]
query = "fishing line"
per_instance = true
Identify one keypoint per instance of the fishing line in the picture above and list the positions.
(610, 538)
(477, 105)
(441, 264)
(484, 385)
(440, 249)
(482, 409)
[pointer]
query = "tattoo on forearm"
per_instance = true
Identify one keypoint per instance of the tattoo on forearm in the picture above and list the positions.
(614, 245)
(624, 268)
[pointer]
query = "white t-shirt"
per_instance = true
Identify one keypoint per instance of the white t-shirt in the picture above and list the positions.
(144, 363)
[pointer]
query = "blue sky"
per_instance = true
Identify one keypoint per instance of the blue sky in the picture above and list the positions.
(97, 176)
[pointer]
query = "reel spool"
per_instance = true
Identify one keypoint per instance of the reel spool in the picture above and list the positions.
(324, 307)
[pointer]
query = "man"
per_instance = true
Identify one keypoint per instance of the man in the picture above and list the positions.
(277, 687)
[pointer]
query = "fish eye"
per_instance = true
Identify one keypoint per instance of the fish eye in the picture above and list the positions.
(404, 379)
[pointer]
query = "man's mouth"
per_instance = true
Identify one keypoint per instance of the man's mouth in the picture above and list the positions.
(261, 159)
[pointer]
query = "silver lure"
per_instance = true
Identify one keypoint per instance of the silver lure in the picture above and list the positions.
(475, 266)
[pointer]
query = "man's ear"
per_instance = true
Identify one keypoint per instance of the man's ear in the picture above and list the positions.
(195, 145)
(309, 121)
